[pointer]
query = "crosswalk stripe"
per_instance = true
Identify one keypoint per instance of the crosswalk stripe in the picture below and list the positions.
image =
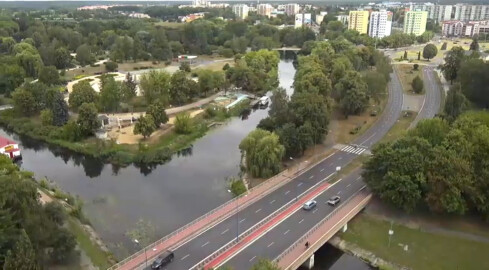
(353, 150)
(361, 151)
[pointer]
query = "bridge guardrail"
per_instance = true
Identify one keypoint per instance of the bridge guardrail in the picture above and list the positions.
(256, 226)
(316, 227)
(273, 182)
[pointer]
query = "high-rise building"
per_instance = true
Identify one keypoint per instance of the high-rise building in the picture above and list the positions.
(358, 21)
(302, 19)
(241, 11)
(200, 3)
(464, 12)
(320, 17)
(415, 22)
(264, 9)
(380, 24)
(435, 12)
(292, 9)
(343, 19)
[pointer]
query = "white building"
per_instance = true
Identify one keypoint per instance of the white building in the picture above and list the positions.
(200, 3)
(264, 9)
(241, 11)
(302, 20)
(380, 24)
(292, 9)
(464, 12)
(320, 17)
(435, 12)
(464, 29)
(343, 19)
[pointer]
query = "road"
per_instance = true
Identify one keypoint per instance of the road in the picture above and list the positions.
(194, 251)
(432, 100)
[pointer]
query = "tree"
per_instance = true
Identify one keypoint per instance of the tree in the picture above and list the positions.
(183, 123)
(64, 244)
(59, 108)
(110, 94)
(88, 119)
(84, 55)
(474, 45)
(433, 130)
(376, 85)
(279, 109)
(155, 86)
(263, 153)
(145, 126)
(185, 67)
(24, 102)
(46, 117)
(22, 256)
(453, 61)
(417, 85)
(264, 264)
(182, 89)
(474, 81)
(351, 92)
(456, 103)
(206, 81)
(415, 66)
(82, 93)
(157, 111)
(49, 75)
(111, 66)
(128, 88)
(405, 55)
(429, 51)
(55, 212)
(62, 58)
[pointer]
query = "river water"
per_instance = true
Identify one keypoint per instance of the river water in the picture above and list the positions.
(167, 196)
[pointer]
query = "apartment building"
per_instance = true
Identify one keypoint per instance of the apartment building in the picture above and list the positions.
(380, 24)
(343, 19)
(241, 11)
(292, 9)
(435, 12)
(320, 17)
(464, 29)
(358, 20)
(464, 12)
(302, 19)
(264, 9)
(415, 22)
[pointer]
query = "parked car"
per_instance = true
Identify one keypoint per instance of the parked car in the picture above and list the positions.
(309, 205)
(163, 260)
(334, 200)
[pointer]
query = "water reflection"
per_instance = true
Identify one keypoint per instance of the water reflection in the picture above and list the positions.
(331, 258)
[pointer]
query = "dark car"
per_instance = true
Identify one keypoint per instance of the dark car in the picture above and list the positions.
(334, 200)
(163, 260)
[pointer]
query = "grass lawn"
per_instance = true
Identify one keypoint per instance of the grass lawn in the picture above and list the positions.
(428, 251)
(98, 257)
(216, 66)
(400, 127)
(406, 75)
(127, 66)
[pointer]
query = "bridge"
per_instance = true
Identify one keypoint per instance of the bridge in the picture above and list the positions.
(268, 221)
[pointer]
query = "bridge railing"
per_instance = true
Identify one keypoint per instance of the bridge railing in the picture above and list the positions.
(317, 226)
(257, 226)
(272, 183)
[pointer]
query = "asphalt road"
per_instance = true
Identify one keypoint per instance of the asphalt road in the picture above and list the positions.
(194, 251)
(432, 101)
(274, 242)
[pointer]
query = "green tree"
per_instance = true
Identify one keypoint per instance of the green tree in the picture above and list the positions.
(429, 51)
(207, 84)
(110, 94)
(182, 89)
(84, 55)
(24, 102)
(157, 111)
(312, 109)
(474, 81)
(63, 243)
(82, 93)
(405, 55)
(185, 67)
(128, 88)
(433, 130)
(453, 61)
(88, 121)
(145, 126)
(47, 117)
(376, 85)
(155, 86)
(62, 58)
(59, 108)
(49, 75)
(264, 264)
(351, 91)
(111, 66)
(474, 45)
(183, 123)
(263, 153)
(417, 85)
(456, 103)
(22, 256)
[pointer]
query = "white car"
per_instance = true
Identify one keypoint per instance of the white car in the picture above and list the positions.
(309, 205)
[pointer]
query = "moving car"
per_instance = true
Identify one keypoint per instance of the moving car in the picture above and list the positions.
(309, 205)
(334, 200)
(163, 260)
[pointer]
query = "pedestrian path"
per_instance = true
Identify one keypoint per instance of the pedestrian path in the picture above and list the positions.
(354, 149)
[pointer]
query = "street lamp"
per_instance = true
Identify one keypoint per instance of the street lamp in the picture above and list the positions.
(237, 216)
(146, 256)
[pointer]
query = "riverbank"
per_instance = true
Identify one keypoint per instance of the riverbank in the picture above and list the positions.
(157, 151)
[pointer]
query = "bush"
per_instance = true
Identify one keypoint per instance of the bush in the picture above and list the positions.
(183, 123)
(236, 186)
(443, 46)
(415, 66)
(417, 85)
(47, 117)
(111, 66)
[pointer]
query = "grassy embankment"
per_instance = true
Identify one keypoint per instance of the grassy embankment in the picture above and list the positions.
(407, 74)
(120, 154)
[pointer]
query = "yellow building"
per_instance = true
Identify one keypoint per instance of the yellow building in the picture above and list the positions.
(415, 22)
(359, 21)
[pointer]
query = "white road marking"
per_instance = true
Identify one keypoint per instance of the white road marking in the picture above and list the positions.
(358, 178)
(287, 192)
(269, 245)
(300, 184)
(339, 192)
(242, 220)
(206, 243)
(322, 170)
(225, 231)
(315, 210)
(252, 258)
(312, 176)
(184, 257)
(371, 136)
(272, 201)
(348, 185)
(340, 158)
(258, 210)
(301, 221)
(286, 232)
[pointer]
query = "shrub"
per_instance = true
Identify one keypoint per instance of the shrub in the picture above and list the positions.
(111, 66)
(47, 117)
(443, 46)
(417, 85)
(415, 66)
(183, 123)
(236, 186)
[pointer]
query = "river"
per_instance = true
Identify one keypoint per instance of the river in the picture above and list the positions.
(167, 196)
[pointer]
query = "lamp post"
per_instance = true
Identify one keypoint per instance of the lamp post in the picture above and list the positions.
(146, 256)
(237, 216)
